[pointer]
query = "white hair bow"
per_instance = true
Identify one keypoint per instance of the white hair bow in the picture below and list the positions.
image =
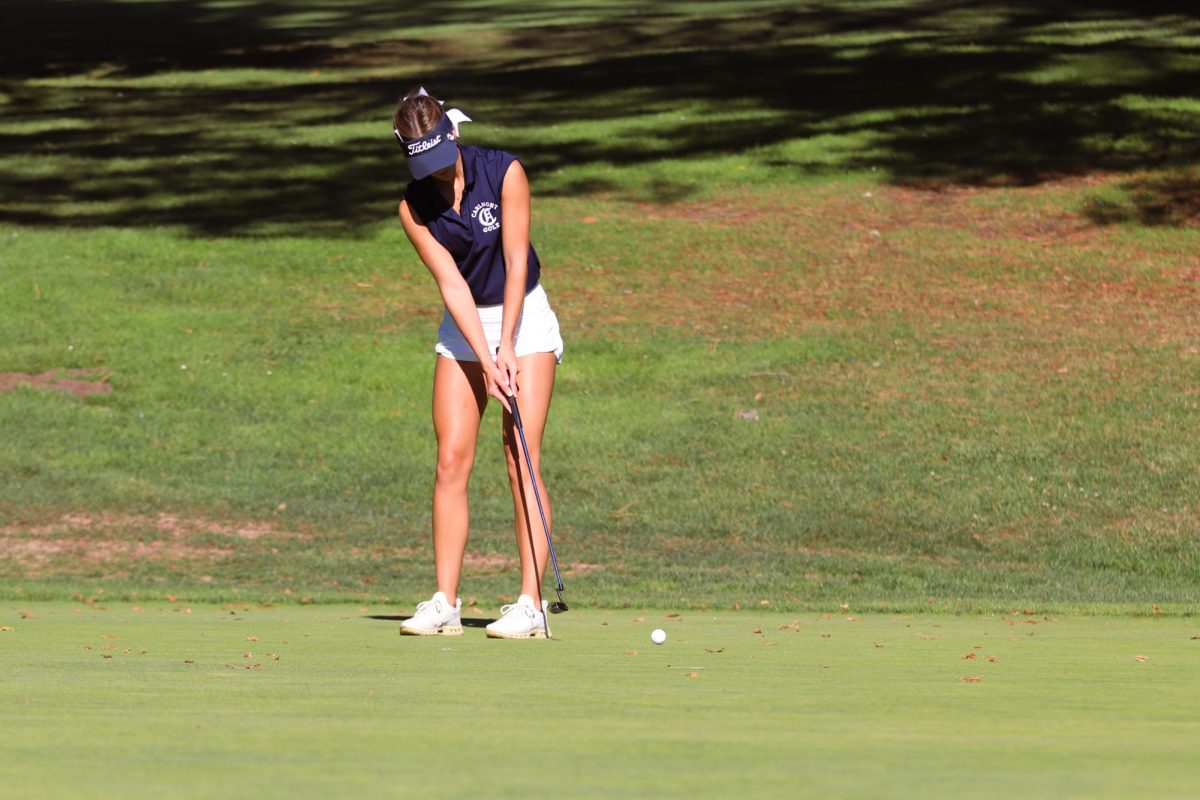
(456, 116)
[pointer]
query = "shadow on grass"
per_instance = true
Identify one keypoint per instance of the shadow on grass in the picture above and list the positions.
(467, 622)
(1153, 201)
(135, 114)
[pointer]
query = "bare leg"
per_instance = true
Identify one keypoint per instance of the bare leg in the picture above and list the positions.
(459, 399)
(537, 386)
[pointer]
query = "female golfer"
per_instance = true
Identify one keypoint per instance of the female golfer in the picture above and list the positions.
(466, 213)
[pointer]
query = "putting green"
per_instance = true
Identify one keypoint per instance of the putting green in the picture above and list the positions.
(200, 701)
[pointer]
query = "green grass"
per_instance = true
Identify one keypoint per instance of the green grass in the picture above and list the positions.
(196, 701)
(880, 391)
(896, 455)
(889, 303)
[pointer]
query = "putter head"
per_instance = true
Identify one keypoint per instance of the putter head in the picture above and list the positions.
(558, 607)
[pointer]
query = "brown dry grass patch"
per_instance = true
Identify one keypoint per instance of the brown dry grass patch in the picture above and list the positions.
(851, 254)
(82, 542)
(77, 382)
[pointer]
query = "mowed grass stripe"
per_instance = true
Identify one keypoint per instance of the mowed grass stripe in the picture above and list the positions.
(206, 700)
(835, 415)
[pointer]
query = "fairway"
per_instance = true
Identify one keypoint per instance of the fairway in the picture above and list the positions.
(178, 700)
(881, 396)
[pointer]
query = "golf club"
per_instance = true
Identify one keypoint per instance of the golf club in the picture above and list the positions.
(559, 606)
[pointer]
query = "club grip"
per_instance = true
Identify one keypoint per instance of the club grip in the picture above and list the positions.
(516, 415)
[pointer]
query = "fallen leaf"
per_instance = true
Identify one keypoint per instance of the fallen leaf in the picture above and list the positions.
(106, 655)
(877, 644)
(1141, 658)
(993, 659)
(188, 661)
(588, 220)
(757, 630)
(247, 655)
(639, 619)
(693, 675)
(851, 619)
(972, 679)
(969, 657)
(7, 628)
(631, 652)
(718, 650)
(26, 615)
(251, 638)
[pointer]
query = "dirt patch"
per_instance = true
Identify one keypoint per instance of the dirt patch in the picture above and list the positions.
(81, 543)
(494, 562)
(489, 562)
(580, 568)
(727, 213)
(851, 254)
(77, 382)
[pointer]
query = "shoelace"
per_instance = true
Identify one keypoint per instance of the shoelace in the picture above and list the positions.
(505, 609)
(422, 606)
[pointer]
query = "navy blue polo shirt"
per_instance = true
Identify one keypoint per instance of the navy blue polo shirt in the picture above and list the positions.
(473, 236)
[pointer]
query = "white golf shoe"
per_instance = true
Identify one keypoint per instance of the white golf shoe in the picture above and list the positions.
(435, 617)
(521, 620)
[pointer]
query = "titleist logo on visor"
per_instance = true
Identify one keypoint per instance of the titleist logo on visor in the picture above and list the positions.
(422, 145)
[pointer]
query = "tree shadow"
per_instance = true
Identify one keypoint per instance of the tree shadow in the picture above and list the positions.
(1153, 201)
(113, 116)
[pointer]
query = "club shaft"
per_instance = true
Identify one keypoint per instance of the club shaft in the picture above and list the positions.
(537, 495)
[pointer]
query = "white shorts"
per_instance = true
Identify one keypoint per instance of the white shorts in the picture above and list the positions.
(537, 330)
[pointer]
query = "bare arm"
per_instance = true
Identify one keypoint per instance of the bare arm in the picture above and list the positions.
(514, 210)
(456, 295)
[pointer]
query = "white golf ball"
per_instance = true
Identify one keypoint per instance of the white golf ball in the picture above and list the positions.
(658, 636)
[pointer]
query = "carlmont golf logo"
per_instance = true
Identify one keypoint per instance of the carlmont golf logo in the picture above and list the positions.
(485, 212)
(424, 144)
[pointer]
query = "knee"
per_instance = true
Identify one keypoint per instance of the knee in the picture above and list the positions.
(454, 465)
(519, 471)
(514, 467)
